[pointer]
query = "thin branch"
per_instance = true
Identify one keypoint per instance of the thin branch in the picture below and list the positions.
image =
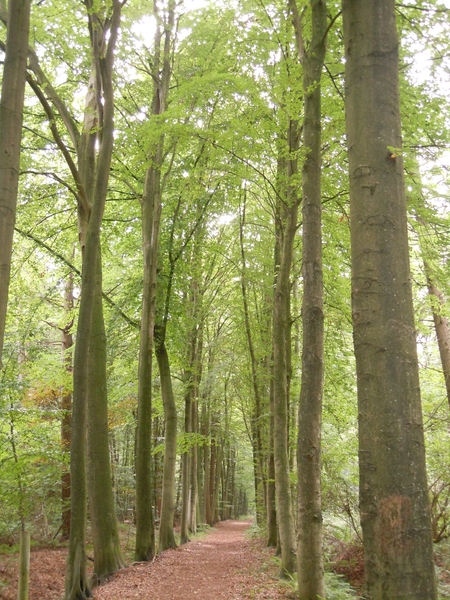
(423, 8)
(333, 81)
(44, 83)
(73, 268)
(297, 23)
(242, 160)
(53, 176)
(80, 195)
(332, 22)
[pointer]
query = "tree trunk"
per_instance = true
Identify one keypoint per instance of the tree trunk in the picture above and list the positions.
(216, 487)
(309, 547)
(437, 299)
(186, 466)
(280, 370)
(441, 326)
(166, 535)
(272, 529)
(256, 426)
(207, 457)
(107, 553)
(151, 216)
(194, 505)
(11, 116)
(195, 463)
(90, 392)
(395, 514)
(210, 512)
(24, 565)
(66, 407)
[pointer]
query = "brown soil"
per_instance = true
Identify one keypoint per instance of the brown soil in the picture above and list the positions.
(222, 565)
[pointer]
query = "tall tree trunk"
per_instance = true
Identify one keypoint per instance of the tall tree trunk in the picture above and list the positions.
(256, 426)
(11, 116)
(309, 547)
(272, 529)
(195, 462)
(166, 535)
(210, 507)
(207, 456)
(437, 299)
(151, 216)
(66, 406)
(216, 487)
(395, 513)
(281, 327)
(90, 403)
(441, 325)
(186, 466)
(107, 553)
(194, 504)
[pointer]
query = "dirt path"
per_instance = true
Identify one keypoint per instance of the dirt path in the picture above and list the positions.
(224, 565)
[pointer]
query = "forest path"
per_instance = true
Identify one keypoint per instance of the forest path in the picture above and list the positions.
(223, 565)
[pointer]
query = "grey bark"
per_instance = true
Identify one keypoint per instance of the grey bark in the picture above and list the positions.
(11, 116)
(66, 404)
(166, 533)
(90, 395)
(309, 543)
(394, 503)
(151, 216)
(256, 425)
(281, 329)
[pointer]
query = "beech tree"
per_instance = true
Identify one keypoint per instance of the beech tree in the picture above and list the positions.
(11, 115)
(151, 219)
(393, 487)
(309, 548)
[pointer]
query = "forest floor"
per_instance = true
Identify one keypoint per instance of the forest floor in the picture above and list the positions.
(223, 564)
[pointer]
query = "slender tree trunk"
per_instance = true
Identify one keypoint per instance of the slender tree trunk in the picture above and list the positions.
(201, 465)
(186, 467)
(24, 565)
(272, 529)
(256, 428)
(196, 462)
(281, 318)
(11, 115)
(166, 535)
(395, 513)
(437, 299)
(207, 455)
(272, 521)
(216, 488)
(441, 326)
(210, 512)
(194, 504)
(151, 216)
(66, 407)
(309, 547)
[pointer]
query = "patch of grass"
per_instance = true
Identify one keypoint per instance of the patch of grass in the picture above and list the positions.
(9, 548)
